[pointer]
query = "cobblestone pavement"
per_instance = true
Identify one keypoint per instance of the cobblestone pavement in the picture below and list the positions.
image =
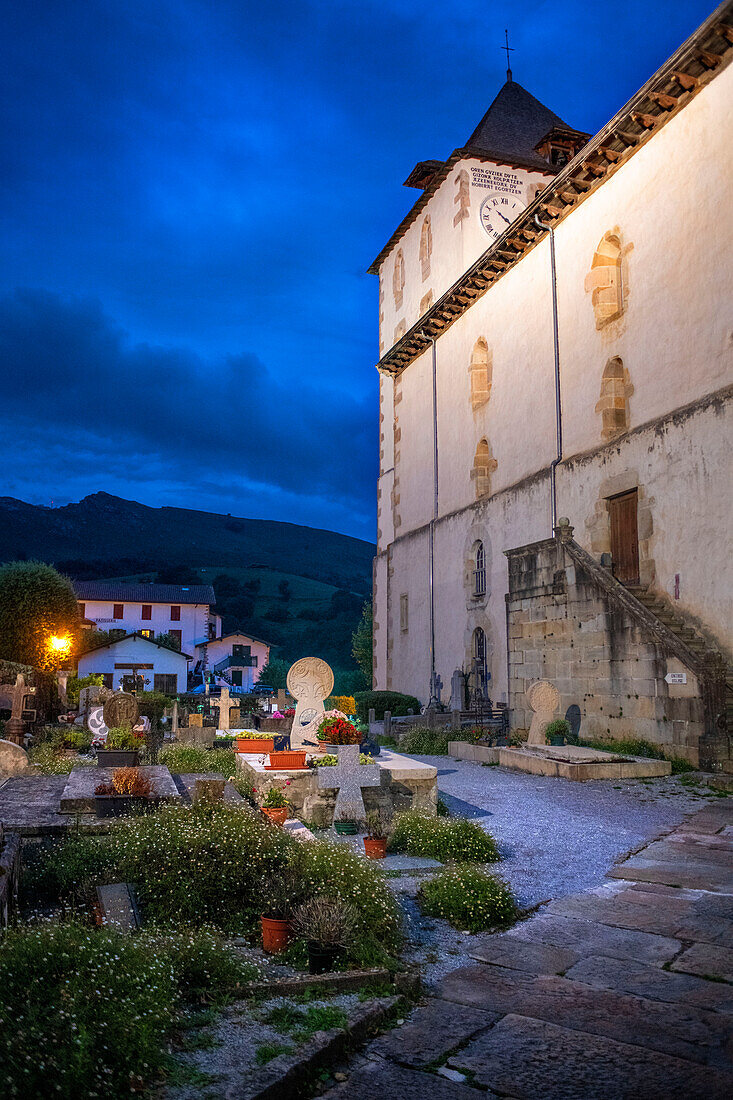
(621, 991)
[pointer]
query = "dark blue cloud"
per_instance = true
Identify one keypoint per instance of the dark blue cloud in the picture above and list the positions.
(194, 191)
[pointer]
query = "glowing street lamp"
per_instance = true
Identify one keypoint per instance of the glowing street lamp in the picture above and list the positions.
(60, 645)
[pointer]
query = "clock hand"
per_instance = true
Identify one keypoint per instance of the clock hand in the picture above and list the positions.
(502, 216)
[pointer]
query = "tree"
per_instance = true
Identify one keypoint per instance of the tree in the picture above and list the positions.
(284, 590)
(361, 641)
(274, 673)
(39, 615)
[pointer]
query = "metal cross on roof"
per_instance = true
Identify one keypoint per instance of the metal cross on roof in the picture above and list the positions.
(508, 49)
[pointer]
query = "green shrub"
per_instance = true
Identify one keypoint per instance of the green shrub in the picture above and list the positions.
(448, 839)
(468, 898)
(337, 871)
(393, 701)
(122, 739)
(636, 746)
(421, 741)
(71, 737)
(558, 727)
(192, 759)
(75, 683)
(85, 1012)
(47, 761)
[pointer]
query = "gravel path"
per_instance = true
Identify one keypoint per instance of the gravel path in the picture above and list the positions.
(556, 838)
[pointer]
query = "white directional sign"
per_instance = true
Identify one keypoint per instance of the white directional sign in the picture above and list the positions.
(676, 677)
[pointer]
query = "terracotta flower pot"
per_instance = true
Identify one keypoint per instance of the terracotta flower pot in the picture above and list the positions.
(288, 761)
(375, 847)
(275, 934)
(255, 744)
(277, 815)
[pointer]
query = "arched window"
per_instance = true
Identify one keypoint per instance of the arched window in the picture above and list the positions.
(616, 389)
(398, 279)
(480, 374)
(426, 247)
(479, 572)
(483, 467)
(604, 281)
(425, 302)
(480, 669)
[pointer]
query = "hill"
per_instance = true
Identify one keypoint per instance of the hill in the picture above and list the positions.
(300, 588)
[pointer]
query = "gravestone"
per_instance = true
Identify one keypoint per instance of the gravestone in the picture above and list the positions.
(19, 712)
(116, 907)
(458, 691)
(349, 776)
(224, 708)
(310, 681)
(543, 698)
(13, 759)
(208, 790)
(121, 710)
(235, 718)
(196, 720)
(95, 722)
(572, 717)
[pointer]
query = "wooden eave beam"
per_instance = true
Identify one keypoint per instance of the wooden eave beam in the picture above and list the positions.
(686, 80)
(708, 59)
(666, 101)
(725, 31)
(647, 121)
(628, 138)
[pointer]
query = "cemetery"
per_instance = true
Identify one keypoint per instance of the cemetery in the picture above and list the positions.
(322, 883)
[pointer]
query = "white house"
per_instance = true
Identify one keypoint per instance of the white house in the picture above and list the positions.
(239, 658)
(183, 611)
(126, 659)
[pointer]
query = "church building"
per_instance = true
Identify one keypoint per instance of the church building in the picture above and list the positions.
(556, 367)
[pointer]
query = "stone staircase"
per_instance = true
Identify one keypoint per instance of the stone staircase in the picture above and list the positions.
(678, 638)
(706, 652)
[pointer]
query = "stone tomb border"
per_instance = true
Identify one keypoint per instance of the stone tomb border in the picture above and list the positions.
(563, 761)
(404, 784)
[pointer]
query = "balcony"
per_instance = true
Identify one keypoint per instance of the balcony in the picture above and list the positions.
(235, 662)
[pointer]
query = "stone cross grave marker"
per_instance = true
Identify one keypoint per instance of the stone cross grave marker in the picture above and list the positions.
(224, 705)
(310, 681)
(349, 776)
(458, 691)
(19, 714)
(544, 698)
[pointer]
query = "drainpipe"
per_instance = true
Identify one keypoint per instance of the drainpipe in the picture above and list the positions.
(556, 341)
(431, 533)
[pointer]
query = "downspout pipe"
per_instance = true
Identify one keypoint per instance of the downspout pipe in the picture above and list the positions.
(433, 677)
(433, 695)
(558, 406)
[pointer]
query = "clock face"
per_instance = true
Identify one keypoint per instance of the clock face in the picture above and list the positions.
(498, 212)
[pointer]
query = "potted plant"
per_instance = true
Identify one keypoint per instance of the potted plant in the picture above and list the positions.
(251, 741)
(276, 723)
(128, 789)
(557, 731)
(275, 806)
(336, 730)
(282, 894)
(378, 828)
(327, 925)
(121, 749)
(72, 740)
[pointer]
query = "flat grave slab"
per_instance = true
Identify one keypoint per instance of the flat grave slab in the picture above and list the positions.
(77, 796)
(580, 764)
(29, 805)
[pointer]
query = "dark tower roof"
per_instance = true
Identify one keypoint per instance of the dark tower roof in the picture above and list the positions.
(514, 124)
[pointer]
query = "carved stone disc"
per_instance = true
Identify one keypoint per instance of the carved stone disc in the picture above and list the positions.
(121, 710)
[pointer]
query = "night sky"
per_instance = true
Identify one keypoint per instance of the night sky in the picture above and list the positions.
(191, 195)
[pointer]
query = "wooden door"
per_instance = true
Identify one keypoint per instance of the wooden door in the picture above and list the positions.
(625, 537)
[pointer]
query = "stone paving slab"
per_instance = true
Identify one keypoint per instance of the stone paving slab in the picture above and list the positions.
(708, 960)
(432, 1032)
(524, 955)
(675, 851)
(694, 874)
(680, 1030)
(379, 1080)
(589, 938)
(627, 976)
(527, 1058)
(680, 918)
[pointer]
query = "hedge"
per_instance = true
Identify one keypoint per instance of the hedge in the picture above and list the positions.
(393, 701)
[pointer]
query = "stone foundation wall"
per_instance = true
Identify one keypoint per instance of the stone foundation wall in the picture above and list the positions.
(315, 807)
(563, 628)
